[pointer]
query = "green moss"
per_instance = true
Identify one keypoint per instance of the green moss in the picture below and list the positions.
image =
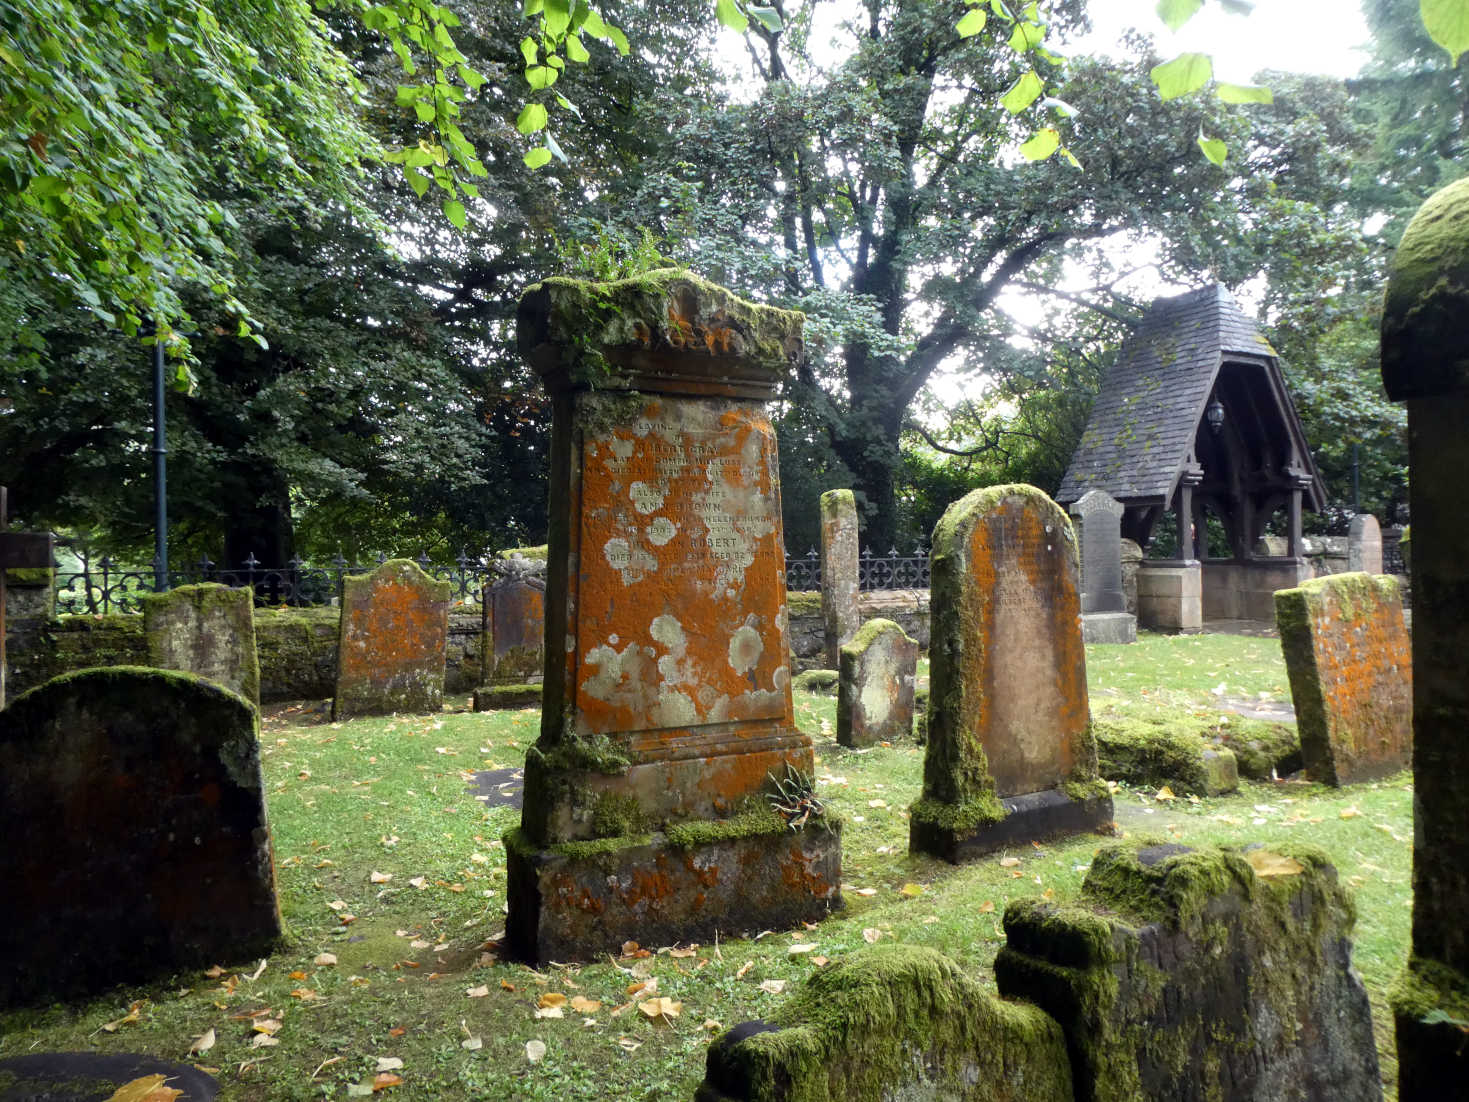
(959, 818)
(1149, 752)
(1426, 988)
(889, 1021)
(534, 554)
(1176, 890)
(488, 698)
(803, 602)
(838, 503)
(1424, 349)
(869, 633)
(590, 753)
(31, 577)
(759, 818)
(816, 681)
(617, 813)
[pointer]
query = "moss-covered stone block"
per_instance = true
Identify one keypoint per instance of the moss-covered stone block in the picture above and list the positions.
(1200, 974)
(1350, 664)
(816, 681)
(1430, 1003)
(136, 842)
(879, 665)
(1263, 750)
(1151, 753)
(390, 651)
(207, 630)
(891, 1022)
(490, 698)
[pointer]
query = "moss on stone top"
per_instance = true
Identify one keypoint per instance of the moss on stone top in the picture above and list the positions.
(816, 681)
(1425, 346)
(1357, 596)
(803, 602)
(834, 503)
(868, 634)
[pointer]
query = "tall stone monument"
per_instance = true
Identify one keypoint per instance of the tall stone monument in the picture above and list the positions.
(840, 566)
(1010, 758)
(1425, 362)
(1097, 517)
(390, 650)
(668, 796)
(1364, 545)
(208, 630)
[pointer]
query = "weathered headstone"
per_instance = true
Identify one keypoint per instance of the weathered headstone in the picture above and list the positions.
(1009, 757)
(516, 607)
(650, 797)
(840, 566)
(875, 685)
(1364, 545)
(1200, 974)
(1425, 362)
(1097, 517)
(19, 551)
(133, 813)
(390, 653)
(1349, 660)
(900, 1022)
(207, 630)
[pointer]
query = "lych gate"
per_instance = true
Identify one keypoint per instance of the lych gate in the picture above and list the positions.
(1195, 419)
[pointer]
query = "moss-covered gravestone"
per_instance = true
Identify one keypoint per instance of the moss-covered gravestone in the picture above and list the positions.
(207, 630)
(875, 685)
(1425, 362)
(840, 570)
(898, 1022)
(390, 650)
(667, 720)
(133, 813)
(1348, 657)
(1009, 757)
(1191, 975)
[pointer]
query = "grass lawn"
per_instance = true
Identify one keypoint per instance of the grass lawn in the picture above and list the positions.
(390, 866)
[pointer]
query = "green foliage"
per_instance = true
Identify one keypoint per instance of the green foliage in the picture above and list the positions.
(1447, 23)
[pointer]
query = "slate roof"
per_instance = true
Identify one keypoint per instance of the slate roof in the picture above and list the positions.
(1142, 425)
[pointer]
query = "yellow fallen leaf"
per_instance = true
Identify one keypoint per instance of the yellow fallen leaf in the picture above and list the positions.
(549, 1012)
(820, 962)
(263, 1040)
(866, 891)
(385, 1079)
(744, 968)
(552, 998)
(772, 987)
(388, 1063)
(648, 986)
(305, 994)
(583, 1005)
(202, 1044)
(1009, 862)
(803, 947)
(987, 907)
(661, 1008)
(912, 891)
(324, 960)
(149, 1088)
(1266, 863)
(270, 1026)
(1350, 813)
(871, 935)
(1165, 794)
(380, 877)
(505, 985)
(135, 1011)
(480, 992)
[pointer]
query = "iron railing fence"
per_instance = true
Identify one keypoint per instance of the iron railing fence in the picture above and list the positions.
(874, 572)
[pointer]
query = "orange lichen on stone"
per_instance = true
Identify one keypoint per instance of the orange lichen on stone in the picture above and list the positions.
(390, 658)
(1349, 659)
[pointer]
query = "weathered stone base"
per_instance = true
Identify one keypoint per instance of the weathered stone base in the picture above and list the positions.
(489, 698)
(581, 900)
(1108, 627)
(1032, 817)
(1170, 596)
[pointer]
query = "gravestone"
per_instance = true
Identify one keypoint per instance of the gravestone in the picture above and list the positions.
(1009, 757)
(208, 630)
(891, 1022)
(20, 553)
(668, 734)
(1350, 664)
(516, 608)
(1425, 362)
(133, 813)
(1104, 616)
(390, 650)
(1364, 545)
(1200, 974)
(875, 685)
(840, 566)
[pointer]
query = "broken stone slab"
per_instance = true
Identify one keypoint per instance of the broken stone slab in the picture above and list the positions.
(391, 646)
(891, 1022)
(1008, 755)
(136, 842)
(1350, 664)
(667, 708)
(1184, 975)
(208, 630)
(841, 615)
(875, 688)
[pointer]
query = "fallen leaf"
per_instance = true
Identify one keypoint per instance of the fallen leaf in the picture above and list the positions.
(550, 1012)
(419, 943)
(202, 1044)
(552, 998)
(419, 882)
(506, 985)
(628, 1044)
(648, 986)
(305, 994)
(270, 1026)
(297, 975)
(912, 891)
(871, 935)
(534, 1050)
(1268, 864)
(661, 1009)
(473, 1044)
(744, 968)
(987, 907)
(324, 960)
(583, 1005)
(711, 1025)
(481, 991)
(135, 1011)
(380, 877)
(1349, 813)
(388, 1063)
(1009, 862)
(683, 953)
(263, 1040)
(803, 947)
(385, 1079)
(338, 904)
(772, 987)
(877, 803)
(1165, 794)
(629, 948)
(215, 972)
(397, 1031)
(866, 891)
(150, 1088)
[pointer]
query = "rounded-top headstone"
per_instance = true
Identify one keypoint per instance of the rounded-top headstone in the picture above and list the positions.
(1425, 343)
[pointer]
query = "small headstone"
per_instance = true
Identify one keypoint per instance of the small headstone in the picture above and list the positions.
(1208, 974)
(875, 686)
(840, 566)
(517, 620)
(1009, 757)
(1097, 517)
(133, 813)
(899, 1022)
(390, 654)
(1350, 663)
(207, 630)
(1364, 545)
(667, 720)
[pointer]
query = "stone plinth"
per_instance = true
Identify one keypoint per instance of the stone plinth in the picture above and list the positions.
(207, 630)
(390, 652)
(133, 813)
(891, 1022)
(1108, 627)
(1245, 590)
(1349, 660)
(1009, 756)
(1425, 362)
(1188, 975)
(840, 564)
(668, 705)
(1364, 545)
(1170, 596)
(875, 685)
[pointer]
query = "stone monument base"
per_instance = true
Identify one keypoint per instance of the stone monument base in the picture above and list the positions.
(516, 694)
(1108, 627)
(582, 900)
(1032, 817)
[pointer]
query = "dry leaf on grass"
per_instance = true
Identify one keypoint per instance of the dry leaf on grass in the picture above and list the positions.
(1009, 862)
(628, 1044)
(871, 935)
(912, 891)
(683, 953)
(534, 1050)
(269, 1026)
(661, 1009)
(552, 998)
(472, 1044)
(264, 1040)
(1165, 794)
(866, 891)
(202, 1044)
(772, 987)
(135, 1011)
(149, 1088)
(549, 1012)
(380, 877)
(987, 907)
(583, 1005)
(1268, 864)
(478, 992)
(744, 968)
(388, 1063)
(1349, 813)
(802, 947)
(820, 962)
(385, 1079)
(324, 960)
